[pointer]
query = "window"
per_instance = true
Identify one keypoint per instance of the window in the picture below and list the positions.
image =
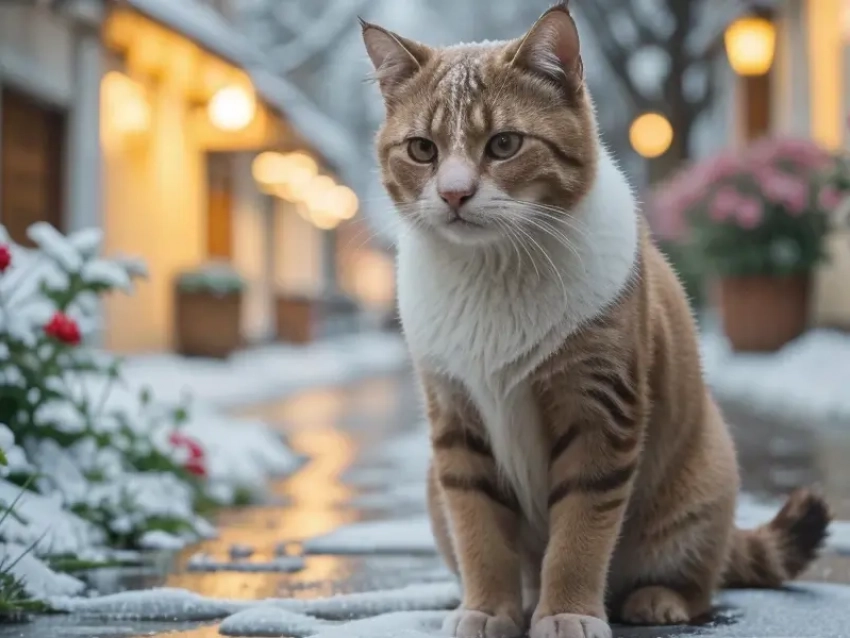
(32, 140)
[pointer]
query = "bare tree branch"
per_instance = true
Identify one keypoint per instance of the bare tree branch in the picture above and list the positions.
(318, 37)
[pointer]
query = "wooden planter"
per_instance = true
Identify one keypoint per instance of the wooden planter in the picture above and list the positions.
(206, 324)
(762, 314)
(302, 319)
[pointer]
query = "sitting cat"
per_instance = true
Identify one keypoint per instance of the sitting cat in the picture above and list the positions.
(580, 466)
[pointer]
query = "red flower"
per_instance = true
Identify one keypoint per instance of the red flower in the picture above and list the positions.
(62, 328)
(5, 258)
(195, 465)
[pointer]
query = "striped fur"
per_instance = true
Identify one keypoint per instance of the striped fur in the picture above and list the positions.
(581, 468)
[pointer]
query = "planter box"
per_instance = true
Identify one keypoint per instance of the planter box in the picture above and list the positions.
(302, 319)
(762, 314)
(206, 324)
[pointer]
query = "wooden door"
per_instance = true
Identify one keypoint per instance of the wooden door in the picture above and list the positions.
(32, 141)
(220, 206)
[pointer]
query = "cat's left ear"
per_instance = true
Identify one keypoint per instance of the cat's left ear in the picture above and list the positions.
(551, 48)
(396, 59)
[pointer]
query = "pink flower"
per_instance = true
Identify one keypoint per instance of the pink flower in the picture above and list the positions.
(784, 190)
(750, 213)
(724, 204)
(5, 258)
(830, 198)
(196, 463)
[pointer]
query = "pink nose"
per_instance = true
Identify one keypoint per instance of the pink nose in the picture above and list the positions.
(457, 198)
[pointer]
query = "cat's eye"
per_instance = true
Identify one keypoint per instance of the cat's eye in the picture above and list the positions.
(422, 150)
(504, 145)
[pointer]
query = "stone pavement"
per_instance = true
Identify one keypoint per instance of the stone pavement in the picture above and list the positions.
(356, 438)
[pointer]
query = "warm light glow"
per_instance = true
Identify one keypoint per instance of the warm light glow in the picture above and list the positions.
(651, 135)
(232, 108)
(751, 45)
(125, 104)
(268, 168)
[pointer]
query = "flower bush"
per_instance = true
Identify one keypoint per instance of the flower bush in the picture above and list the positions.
(123, 467)
(764, 211)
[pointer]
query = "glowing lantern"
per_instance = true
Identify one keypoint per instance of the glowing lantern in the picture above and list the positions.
(751, 45)
(232, 108)
(651, 135)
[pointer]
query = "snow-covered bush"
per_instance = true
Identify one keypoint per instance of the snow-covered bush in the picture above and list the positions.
(214, 277)
(71, 432)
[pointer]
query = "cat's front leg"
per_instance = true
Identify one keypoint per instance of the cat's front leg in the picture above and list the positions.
(593, 461)
(483, 519)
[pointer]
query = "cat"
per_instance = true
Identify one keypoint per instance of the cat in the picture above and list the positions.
(581, 469)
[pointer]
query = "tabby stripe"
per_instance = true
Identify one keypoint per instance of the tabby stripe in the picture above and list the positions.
(759, 563)
(614, 381)
(562, 443)
(608, 506)
(616, 411)
(621, 442)
(465, 439)
(605, 483)
(481, 485)
(678, 525)
(566, 158)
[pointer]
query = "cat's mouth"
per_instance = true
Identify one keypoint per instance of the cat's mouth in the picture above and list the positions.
(462, 222)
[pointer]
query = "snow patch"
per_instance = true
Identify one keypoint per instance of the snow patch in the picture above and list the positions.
(39, 581)
(805, 382)
(265, 373)
(411, 536)
(270, 620)
(281, 564)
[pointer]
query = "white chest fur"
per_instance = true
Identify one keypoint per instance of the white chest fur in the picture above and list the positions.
(487, 317)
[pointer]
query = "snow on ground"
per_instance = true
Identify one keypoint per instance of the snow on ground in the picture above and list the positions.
(37, 578)
(270, 620)
(265, 373)
(410, 536)
(805, 382)
(178, 605)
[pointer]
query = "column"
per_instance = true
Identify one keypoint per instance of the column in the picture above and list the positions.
(84, 154)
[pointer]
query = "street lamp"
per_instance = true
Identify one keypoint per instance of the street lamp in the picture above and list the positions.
(750, 45)
(651, 135)
(232, 108)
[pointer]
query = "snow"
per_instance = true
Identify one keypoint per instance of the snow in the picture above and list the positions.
(41, 519)
(157, 539)
(179, 605)
(270, 620)
(280, 564)
(269, 372)
(100, 271)
(38, 580)
(805, 382)
(418, 624)
(409, 536)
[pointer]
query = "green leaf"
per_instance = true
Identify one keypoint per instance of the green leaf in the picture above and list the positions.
(3, 460)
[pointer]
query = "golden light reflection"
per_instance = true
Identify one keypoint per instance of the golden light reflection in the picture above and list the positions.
(125, 106)
(314, 495)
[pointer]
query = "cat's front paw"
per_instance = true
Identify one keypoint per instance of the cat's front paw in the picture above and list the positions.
(570, 626)
(468, 623)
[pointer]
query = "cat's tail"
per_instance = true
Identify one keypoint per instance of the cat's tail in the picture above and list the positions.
(780, 550)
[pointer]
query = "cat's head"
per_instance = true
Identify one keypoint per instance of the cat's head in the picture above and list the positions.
(482, 139)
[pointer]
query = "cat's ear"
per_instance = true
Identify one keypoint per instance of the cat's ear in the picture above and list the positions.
(551, 48)
(395, 59)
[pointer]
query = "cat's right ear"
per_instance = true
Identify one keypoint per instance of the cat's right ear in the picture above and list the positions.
(395, 59)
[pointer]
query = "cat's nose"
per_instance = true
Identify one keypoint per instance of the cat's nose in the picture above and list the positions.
(456, 197)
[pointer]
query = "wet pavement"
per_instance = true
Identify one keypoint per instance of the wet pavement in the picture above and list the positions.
(346, 433)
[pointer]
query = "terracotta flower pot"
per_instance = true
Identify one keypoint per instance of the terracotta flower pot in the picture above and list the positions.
(762, 314)
(206, 324)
